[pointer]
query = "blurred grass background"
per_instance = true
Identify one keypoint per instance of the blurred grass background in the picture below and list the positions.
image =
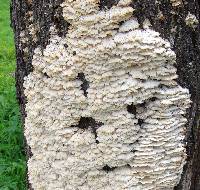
(12, 156)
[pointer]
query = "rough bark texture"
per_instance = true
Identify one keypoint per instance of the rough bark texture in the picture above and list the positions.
(166, 18)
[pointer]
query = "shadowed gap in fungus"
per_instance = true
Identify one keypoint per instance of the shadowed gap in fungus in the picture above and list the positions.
(108, 168)
(66, 46)
(46, 75)
(152, 99)
(122, 22)
(89, 122)
(140, 122)
(85, 84)
(133, 150)
(107, 4)
(131, 109)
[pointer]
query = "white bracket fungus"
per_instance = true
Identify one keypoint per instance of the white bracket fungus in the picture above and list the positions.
(120, 81)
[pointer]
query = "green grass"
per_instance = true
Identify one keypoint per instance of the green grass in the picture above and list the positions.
(12, 158)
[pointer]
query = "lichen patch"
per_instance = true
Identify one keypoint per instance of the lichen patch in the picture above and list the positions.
(191, 20)
(176, 3)
(120, 80)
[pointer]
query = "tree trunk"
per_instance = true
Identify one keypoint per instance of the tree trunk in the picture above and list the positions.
(175, 20)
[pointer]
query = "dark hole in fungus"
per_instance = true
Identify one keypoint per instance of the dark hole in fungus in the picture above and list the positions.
(136, 141)
(45, 74)
(142, 104)
(152, 99)
(133, 150)
(122, 22)
(66, 46)
(105, 4)
(108, 168)
(74, 53)
(131, 109)
(89, 122)
(140, 121)
(85, 84)
(161, 86)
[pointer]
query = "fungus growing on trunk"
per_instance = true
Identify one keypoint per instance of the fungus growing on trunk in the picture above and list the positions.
(125, 65)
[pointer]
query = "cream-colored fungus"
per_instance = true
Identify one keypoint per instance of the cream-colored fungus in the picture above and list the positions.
(131, 91)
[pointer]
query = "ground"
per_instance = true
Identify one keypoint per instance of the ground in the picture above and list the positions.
(12, 156)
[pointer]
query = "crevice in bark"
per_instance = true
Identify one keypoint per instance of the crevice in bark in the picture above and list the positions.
(61, 24)
(29, 152)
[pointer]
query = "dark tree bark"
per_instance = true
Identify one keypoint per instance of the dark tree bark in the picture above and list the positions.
(167, 18)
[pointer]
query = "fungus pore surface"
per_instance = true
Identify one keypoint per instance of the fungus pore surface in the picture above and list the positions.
(119, 79)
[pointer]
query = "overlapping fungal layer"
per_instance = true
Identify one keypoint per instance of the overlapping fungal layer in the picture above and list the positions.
(131, 94)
